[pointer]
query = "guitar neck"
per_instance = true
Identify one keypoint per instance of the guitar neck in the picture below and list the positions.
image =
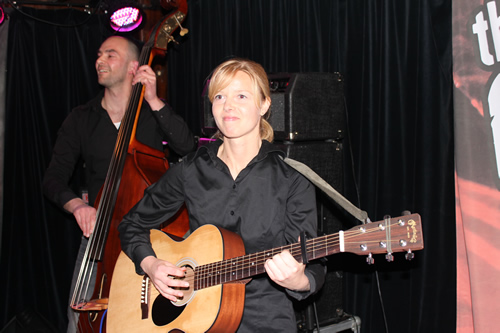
(387, 236)
(247, 266)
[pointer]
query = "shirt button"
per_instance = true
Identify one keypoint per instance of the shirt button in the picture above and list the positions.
(234, 186)
(232, 212)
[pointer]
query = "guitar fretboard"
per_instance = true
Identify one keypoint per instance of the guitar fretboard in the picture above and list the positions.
(253, 264)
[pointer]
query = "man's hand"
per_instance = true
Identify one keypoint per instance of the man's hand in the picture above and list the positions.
(147, 77)
(84, 214)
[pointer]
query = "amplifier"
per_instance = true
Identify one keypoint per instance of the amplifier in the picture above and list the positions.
(304, 107)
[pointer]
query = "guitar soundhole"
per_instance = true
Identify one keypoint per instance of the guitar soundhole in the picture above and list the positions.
(164, 311)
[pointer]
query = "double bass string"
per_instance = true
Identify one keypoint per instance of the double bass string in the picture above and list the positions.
(97, 239)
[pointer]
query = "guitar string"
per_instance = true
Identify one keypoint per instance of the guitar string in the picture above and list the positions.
(198, 280)
(320, 244)
(215, 271)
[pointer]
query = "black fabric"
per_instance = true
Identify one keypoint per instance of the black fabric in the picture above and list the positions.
(395, 57)
(50, 71)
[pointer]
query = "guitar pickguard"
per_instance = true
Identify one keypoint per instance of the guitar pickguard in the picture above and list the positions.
(164, 311)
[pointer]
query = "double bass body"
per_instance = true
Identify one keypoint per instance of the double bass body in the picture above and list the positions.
(133, 167)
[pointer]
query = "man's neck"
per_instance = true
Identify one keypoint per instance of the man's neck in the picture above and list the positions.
(115, 102)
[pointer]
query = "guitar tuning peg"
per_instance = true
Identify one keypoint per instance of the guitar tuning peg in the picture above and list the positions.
(389, 257)
(409, 255)
(370, 260)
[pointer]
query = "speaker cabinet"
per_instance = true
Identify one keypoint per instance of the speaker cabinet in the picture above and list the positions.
(304, 106)
(326, 159)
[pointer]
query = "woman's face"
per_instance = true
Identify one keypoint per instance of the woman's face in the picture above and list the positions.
(235, 109)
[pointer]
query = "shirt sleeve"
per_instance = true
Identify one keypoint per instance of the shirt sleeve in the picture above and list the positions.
(302, 216)
(64, 158)
(160, 202)
(179, 137)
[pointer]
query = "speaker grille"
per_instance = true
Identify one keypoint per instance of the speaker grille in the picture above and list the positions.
(326, 159)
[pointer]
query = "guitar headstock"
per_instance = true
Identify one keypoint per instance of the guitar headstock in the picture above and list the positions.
(398, 234)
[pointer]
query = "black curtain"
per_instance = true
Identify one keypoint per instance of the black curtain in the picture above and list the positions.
(395, 57)
(50, 71)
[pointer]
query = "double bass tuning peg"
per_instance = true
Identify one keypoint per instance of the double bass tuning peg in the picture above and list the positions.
(183, 31)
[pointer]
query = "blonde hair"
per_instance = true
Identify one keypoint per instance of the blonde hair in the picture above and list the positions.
(223, 75)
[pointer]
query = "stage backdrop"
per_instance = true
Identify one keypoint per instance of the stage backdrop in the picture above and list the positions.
(396, 60)
(476, 58)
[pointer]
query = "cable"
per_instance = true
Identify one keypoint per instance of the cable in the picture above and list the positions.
(381, 302)
(102, 319)
(90, 12)
(351, 155)
(316, 315)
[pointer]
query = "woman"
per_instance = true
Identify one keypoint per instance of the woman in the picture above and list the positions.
(240, 183)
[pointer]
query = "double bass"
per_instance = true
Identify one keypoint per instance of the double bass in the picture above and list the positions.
(133, 167)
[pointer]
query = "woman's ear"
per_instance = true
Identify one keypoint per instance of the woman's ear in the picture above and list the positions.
(265, 106)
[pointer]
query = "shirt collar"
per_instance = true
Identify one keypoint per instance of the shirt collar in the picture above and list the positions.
(266, 149)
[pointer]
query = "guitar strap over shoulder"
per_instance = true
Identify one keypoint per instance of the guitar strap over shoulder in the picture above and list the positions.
(307, 172)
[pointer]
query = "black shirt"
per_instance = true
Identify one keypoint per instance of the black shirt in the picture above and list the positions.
(89, 133)
(268, 205)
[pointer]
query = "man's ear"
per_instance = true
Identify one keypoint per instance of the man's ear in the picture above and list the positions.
(132, 67)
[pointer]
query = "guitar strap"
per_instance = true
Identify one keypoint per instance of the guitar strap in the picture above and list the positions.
(359, 214)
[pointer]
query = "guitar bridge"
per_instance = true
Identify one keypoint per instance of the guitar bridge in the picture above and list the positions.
(145, 295)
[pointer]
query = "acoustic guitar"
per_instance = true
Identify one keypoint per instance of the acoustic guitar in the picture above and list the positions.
(217, 270)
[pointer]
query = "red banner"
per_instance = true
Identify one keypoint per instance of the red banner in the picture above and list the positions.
(476, 73)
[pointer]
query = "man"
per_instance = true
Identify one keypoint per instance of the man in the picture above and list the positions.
(90, 133)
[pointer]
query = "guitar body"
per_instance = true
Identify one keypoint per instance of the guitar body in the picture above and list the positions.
(215, 309)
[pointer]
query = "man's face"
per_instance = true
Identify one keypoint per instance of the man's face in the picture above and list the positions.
(112, 64)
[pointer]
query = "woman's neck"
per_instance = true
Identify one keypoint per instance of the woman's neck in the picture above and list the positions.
(236, 154)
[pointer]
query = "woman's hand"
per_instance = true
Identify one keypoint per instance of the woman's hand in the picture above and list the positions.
(287, 272)
(165, 277)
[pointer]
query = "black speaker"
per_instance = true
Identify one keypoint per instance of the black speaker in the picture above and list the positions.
(304, 106)
(326, 159)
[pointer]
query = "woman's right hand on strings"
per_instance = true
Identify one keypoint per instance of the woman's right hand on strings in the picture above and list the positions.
(164, 274)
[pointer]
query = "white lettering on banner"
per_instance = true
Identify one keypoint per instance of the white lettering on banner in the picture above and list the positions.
(495, 25)
(488, 40)
(480, 28)
(494, 105)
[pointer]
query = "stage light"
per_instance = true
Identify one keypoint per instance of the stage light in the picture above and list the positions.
(125, 17)
(2, 14)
